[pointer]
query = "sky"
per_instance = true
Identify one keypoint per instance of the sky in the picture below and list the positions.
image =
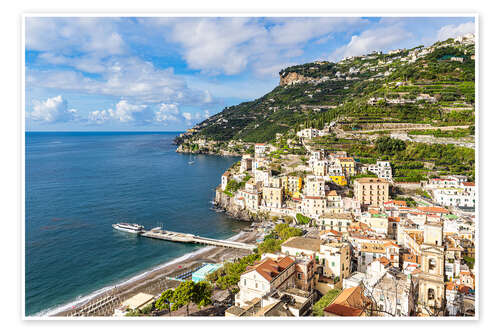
(170, 73)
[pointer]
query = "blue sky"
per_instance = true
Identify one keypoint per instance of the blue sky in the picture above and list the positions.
(167, 74)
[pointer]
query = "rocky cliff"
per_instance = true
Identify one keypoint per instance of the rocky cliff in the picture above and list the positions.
(226, 202)
(292, 77)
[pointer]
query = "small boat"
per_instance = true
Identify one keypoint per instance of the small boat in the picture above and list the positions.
(129, 227)
(191, 161)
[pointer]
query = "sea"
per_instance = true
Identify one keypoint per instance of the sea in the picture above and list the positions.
(77, 184)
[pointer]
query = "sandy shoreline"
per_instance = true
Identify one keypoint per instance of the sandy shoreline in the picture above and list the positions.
(154, 282)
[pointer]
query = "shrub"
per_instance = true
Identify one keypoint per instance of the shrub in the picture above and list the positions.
(324, 301)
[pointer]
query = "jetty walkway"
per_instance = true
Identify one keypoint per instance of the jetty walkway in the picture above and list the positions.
(180, 237)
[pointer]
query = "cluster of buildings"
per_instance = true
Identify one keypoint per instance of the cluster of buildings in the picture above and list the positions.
(384, 257)
(311, 189)
(391, 260)
(453, 191)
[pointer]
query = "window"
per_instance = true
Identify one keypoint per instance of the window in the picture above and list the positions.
(256, 285)
(299, 276)
(244, 282)
(333, 264)
(432, 264)
(430, 294)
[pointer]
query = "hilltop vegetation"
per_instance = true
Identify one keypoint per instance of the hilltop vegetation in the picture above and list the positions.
(433, 85)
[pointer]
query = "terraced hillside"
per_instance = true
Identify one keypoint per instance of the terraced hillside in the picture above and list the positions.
(433, 85)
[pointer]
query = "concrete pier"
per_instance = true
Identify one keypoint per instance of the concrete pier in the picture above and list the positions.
(180, 237)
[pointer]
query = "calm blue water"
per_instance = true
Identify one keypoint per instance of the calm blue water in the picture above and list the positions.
(78, 184)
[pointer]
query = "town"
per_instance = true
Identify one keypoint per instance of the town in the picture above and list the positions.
(377, 255)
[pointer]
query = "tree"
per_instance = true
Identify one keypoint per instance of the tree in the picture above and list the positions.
(202, 294)
(165, 300)
(188, 292)
(388, 145)
(184, 295)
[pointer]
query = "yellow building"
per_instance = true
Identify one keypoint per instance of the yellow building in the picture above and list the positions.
(339, 180)
(348, 165)
(292, 184)
(272, 197)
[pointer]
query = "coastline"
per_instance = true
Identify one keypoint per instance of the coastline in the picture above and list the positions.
(153, 281)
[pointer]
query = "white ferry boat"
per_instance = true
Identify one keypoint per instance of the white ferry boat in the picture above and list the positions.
(128, 227)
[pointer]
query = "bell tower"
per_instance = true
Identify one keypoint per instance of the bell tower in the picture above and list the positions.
(431, 295)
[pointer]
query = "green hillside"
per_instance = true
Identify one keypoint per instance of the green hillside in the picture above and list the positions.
(433, 85)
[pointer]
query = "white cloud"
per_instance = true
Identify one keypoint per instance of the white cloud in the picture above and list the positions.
(230, 45)
(64, 35)
(194, 117)
(140, 114)
(52, 110)
(124, 112)
(89, 64)
(372, 40)
(167, 112)
(127, 77)
(216, 45)
(452, 31)
(188, 116)
(293, 31)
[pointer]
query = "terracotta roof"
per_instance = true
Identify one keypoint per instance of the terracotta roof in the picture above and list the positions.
(335, 232)
(394, 219)
(315, 198)
(464, 289)
(346, 159)
(450, 286)
(345, 294)
(343, 310)
(411, 258)
(384, 261)
(351, 301)
(469, 184)
(396, 202)
(269, 268)
(391, 243)
(332, 193)
(226, 174)
(433, 210)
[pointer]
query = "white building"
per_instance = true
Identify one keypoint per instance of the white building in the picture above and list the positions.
(463, 195)
(382, 169)
(315, 186)
(308, 133)
(260, 149)
(264, 277)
